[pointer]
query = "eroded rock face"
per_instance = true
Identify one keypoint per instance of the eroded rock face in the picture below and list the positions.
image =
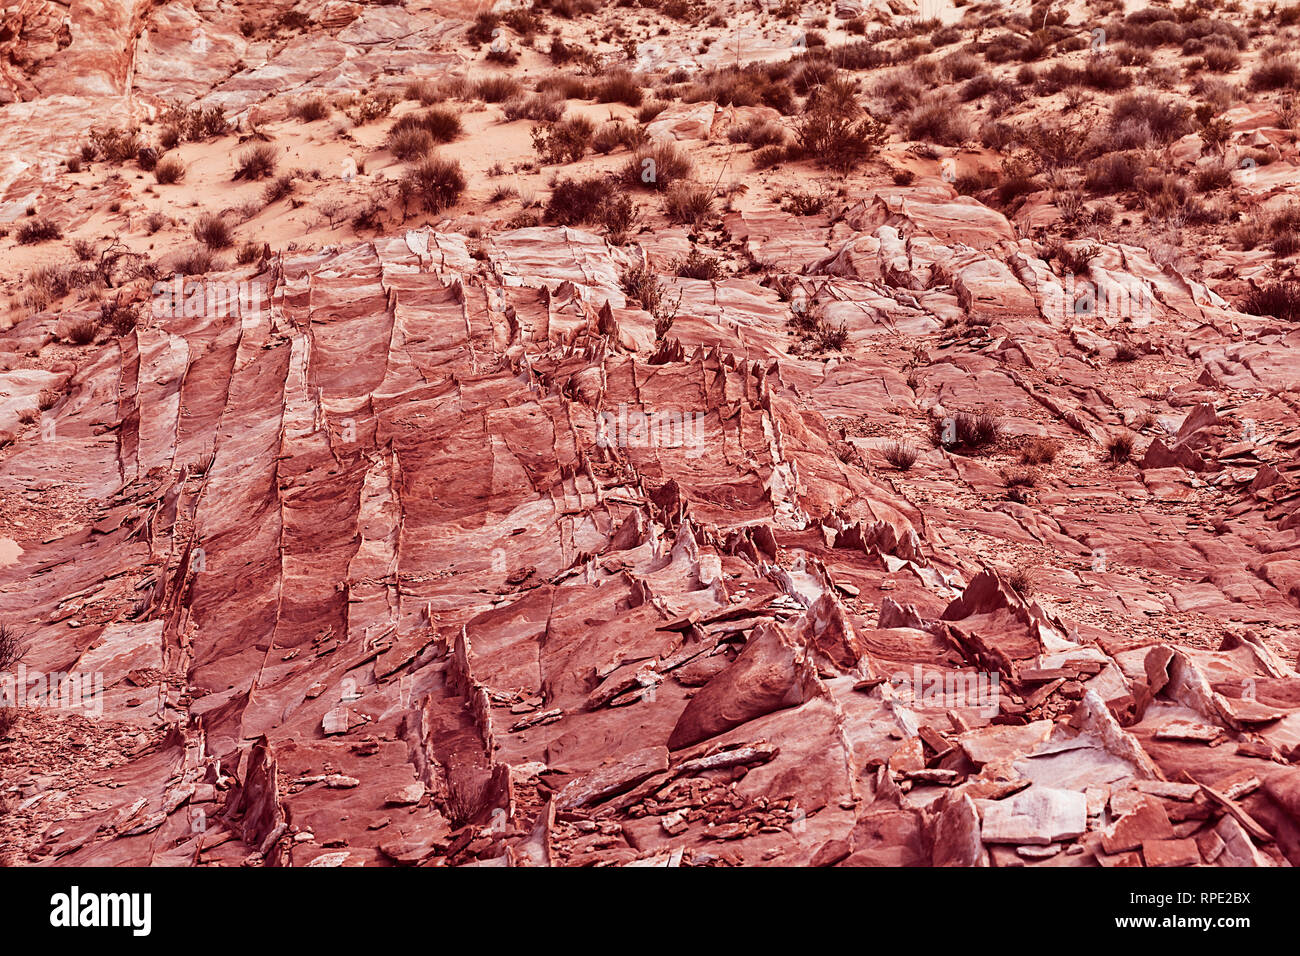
(438, 551)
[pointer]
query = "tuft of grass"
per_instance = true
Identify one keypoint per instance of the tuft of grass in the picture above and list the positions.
(900, 454)
(278, 189)
(1039, 451)
(214, 232)
(1119, 447)
(541, 107)
(168, 171)
(197, 262)
(312, 109)
(967, 431)
(257, 163)
(497, 89)
(81, 331)
(409, 144)
(440, 123)
(658, 166)
(1020, 579)
(433, 184)
(619, 87)
(1281, 300)
(697, 265)
(688, 203)
(1275, 73)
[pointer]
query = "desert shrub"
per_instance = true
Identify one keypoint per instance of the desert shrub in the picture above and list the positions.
(542, 107)
(657, 165)
(967, 431)
(770, 156)
(566, 86)
(830, 338)
(838, 133)
(938, 123)
(688, 203)
(278, 189)
(575, 201)
(758, 133)
(1275, 73)
(115, 145)
(617, 215)
(12, 651)
(1039, 451)
(900, 454)
(497, 89)
(257, 163)
(37, 230)
(961, 66)
(483, 27)
(1119, 447)
(619, 87)
(1211, 177)
(408, 144)
(563, 142)
(642, 286)
(697, 265)
(1281, 300)
(1114, 172)
(649, 111)
(441, 124)
(118, 316)
(214, 232)
(194, 124)
(1165, 119)
(616, 133)
(433, 184)
(425, 91)
(81, 331)
(312, 109)
(197, 262)
(741, 86)
(802, 203)
(1221, 60)
(169, 170)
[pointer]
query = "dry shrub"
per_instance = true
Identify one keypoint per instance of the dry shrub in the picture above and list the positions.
(688, 203)
(169, 171)
(563, 142)
(257, 163)
(214, 232)
(900, 454)
(433, 184)
(658, 165)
